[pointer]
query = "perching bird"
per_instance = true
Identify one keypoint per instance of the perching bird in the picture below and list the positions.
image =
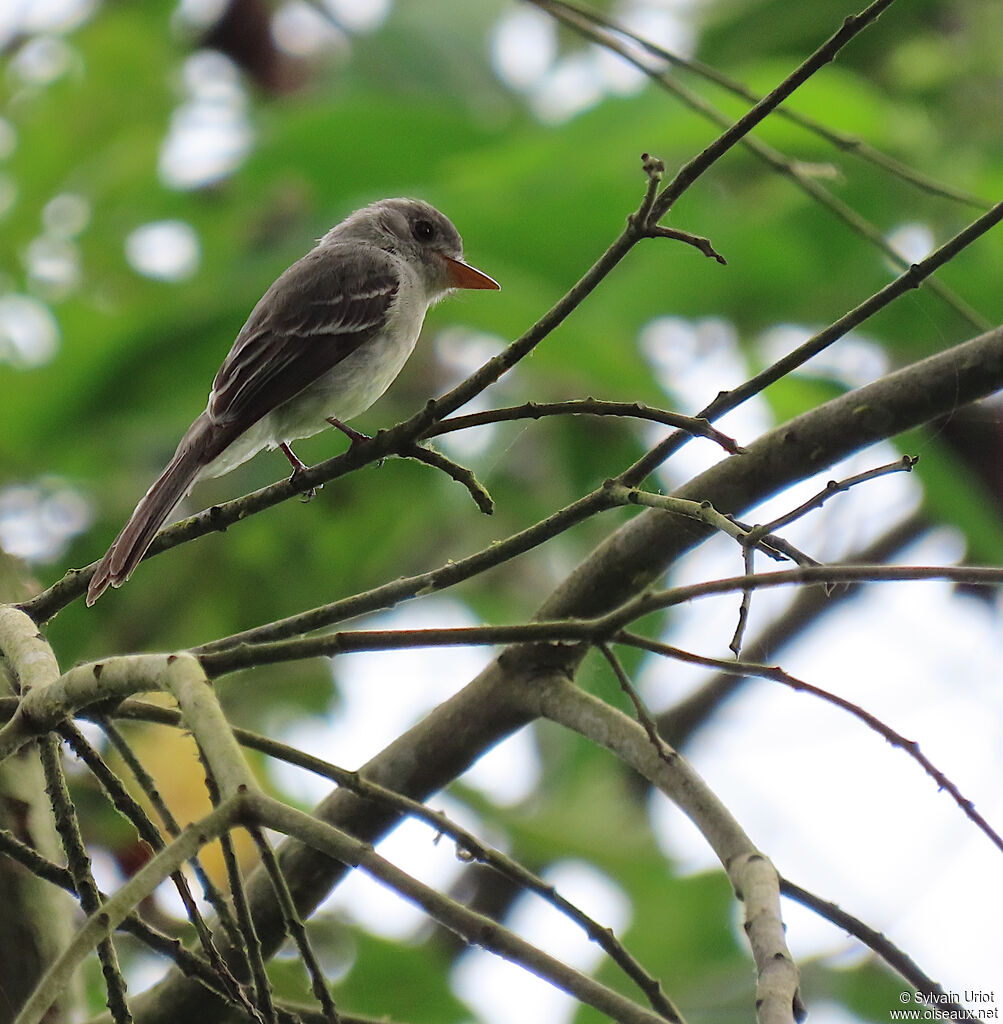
(322, 344)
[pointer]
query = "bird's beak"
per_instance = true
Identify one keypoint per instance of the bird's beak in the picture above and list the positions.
(463, 275)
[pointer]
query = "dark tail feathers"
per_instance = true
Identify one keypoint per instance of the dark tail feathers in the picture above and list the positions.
(130, 545)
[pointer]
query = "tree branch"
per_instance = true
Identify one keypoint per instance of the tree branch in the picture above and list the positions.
(586, 407)
(752, 876)
(886, 732)
(851, 144)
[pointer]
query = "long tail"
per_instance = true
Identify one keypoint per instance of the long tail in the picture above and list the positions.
(197, 449)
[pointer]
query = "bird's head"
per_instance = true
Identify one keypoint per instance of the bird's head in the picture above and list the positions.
(422, 235)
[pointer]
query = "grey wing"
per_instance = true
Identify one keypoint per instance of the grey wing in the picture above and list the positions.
(316, 313)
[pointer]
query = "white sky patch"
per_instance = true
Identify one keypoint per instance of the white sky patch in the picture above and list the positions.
(853, 360)
(412, 846)
(668, 25)
(459, 351)
(210, 133)
(693, 360)
(166, 250)
(618, 75)
(359, 16)
(525, 55)
(19, 18)
(38, 520)
(672, 30)
(493, 986)
(30, 16)
(29, 334)
(53, 266)
(523, 46)
(573, 85)
(842, 812)
(385, 693)
(53, 259)
(43, 59)
(677, 349)
(913, 242)
(301, 30)
(66, 215)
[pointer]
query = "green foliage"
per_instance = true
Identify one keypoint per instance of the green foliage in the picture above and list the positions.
(415, 109)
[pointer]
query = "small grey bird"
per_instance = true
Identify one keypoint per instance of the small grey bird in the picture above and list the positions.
(322, 344)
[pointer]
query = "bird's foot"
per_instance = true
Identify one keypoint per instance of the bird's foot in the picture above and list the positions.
(353, 435)
(299, 467)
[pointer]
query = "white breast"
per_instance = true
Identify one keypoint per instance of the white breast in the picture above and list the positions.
(347, 389)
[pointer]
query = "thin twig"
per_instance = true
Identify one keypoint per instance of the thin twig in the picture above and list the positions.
(132, 811)
(896, 958)
(456, 472)
(905, 464)
(777, 547)
(976, 576)
(79, 864)
(687, 237)
(587, 407)
(470, 846)
(664, 751)
(778, 675)
(701, 511)
(843, 142)
(148, 785)
(756, 535)
(41, 867)
(748, 559)
(294, 926)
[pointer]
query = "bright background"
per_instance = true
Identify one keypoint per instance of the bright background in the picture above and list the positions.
(159, 167)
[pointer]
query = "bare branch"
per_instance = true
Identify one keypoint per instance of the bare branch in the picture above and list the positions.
(587, 407)
(903, 465)
(456, 472)
(751, 874)
(778, 675)
(792, 169)
(468, 845)
(643, 716)
(912, 278)
(697, 241)
(896, 958)
(843, 142)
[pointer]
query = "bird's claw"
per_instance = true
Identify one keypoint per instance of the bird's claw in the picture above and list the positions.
(309, 493)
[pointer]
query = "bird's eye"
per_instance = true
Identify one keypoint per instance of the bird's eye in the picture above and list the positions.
(423, 230)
